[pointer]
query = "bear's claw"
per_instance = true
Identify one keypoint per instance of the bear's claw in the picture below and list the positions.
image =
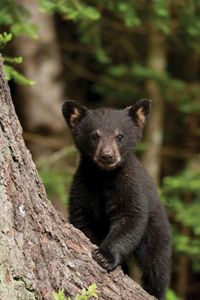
(102, 260)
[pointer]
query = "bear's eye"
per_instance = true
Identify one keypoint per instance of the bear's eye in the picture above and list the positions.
(119, 136)
(95, 135)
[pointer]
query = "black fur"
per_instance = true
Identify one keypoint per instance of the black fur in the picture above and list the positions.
(118, 208)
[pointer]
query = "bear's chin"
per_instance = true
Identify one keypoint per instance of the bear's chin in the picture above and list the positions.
(108, 167)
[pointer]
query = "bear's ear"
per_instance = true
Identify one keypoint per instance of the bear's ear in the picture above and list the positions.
(140, 111)
(73, 112)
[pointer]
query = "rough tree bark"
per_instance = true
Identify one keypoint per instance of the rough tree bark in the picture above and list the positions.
(40, 251)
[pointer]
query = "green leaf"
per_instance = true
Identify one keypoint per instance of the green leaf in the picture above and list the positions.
(86, 294)
(11, 73)
(13, 60)
(118, 70)
(171, 295)
(30, 30)
(102, 56)
(60, 296)
(5, 37)
(91, 13)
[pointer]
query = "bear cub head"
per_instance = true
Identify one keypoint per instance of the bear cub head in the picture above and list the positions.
(106, 136)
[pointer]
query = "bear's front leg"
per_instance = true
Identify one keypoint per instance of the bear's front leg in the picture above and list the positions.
(123, 237)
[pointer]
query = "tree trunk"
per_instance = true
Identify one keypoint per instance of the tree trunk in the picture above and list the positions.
(40, 251)
(154, 132)
(39, 105)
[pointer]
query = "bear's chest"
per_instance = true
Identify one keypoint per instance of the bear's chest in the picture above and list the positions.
(98, 214)
(103, 205)
(105, 199)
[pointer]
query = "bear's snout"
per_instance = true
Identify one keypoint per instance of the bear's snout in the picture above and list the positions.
(107, 156)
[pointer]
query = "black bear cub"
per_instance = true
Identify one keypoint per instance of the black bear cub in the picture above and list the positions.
(113, 200)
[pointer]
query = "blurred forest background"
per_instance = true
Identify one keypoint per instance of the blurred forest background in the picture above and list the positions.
(112, 53)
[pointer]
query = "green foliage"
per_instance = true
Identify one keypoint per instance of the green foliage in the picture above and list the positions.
(124, 11)
(182, 197)
(112, 29)
(9, 70)
(127, 13)
(86, 294)
(190, 22)
(56, 183)
(12, 73)
(171, 295)
(161, 15)
(72, 10)
(16, 18)
(5, 38)
(60, 296)
(13, 60)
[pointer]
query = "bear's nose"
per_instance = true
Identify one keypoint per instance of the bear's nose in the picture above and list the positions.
(107, 156)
